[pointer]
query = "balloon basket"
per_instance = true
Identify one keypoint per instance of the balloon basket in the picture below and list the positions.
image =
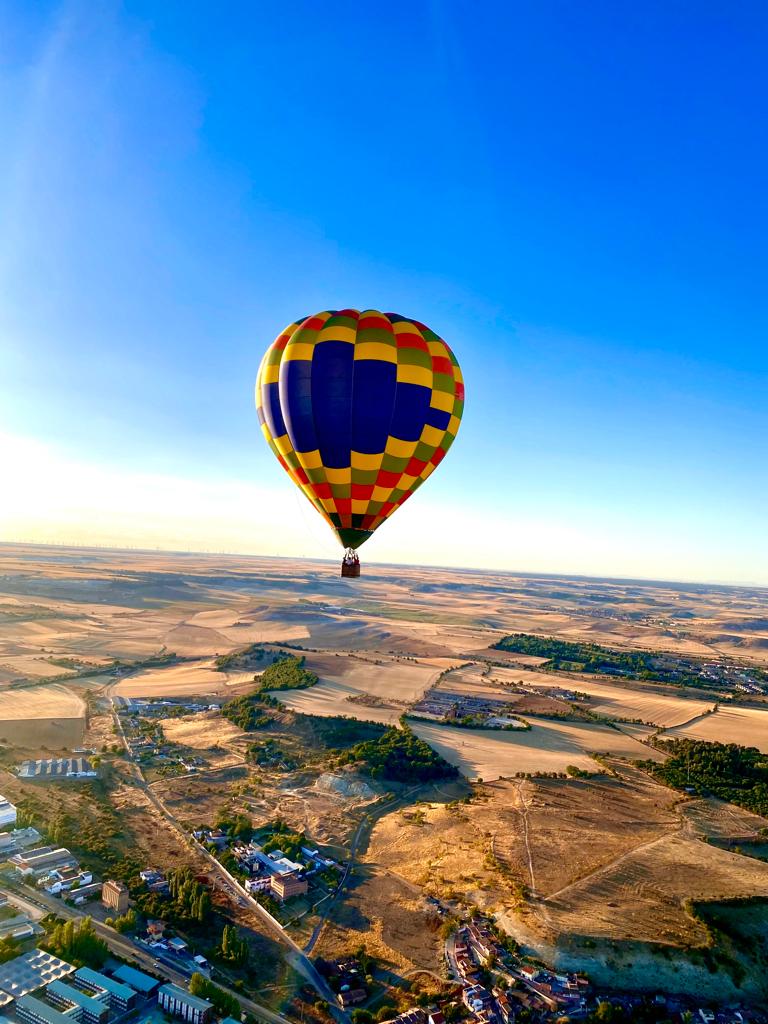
(350, 566)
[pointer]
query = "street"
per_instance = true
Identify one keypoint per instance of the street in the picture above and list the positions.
(127, 949)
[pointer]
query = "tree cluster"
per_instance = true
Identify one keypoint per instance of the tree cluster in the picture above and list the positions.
(226, 1005)
(287, 673)
(78, 943)
(232, 949)
(190, 901)
(399, 755)
(284, 838)
(126, 922)
(566, 655)
(734, 773)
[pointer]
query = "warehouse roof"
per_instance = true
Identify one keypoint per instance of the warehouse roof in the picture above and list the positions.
(102, 981)
(143, 983)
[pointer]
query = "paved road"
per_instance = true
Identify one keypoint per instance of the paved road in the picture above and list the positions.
(130, 950)
(295, 956)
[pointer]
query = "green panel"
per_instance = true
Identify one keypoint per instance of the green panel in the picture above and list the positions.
(353, 538)
(364, 476)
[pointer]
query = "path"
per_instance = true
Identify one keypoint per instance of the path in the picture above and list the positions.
(526, 835)
(129, 950)
(366, 823)
(294, 955)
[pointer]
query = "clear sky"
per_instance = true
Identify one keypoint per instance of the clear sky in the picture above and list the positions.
(573, 195)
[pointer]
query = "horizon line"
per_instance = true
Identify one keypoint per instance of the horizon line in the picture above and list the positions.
(643, 581)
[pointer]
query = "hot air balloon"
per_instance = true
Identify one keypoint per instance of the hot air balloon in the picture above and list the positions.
(359, 408)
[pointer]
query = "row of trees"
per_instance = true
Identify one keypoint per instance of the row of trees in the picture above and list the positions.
(191, 901)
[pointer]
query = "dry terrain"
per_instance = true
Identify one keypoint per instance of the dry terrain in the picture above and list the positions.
(549, 745)
(184, 680)
(596, 872)
(42, 716)
(746, 726)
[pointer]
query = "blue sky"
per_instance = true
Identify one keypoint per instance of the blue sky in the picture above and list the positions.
(574, 197)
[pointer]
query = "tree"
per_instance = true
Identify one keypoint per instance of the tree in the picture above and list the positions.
(226, 1005)
(77, 942)
(232, 948)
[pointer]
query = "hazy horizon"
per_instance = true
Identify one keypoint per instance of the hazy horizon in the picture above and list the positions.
(377, 563)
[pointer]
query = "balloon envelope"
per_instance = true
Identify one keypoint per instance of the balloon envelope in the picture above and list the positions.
(359, 408)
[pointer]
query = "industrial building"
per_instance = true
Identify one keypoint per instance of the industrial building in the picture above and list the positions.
(31, 971)
(57, 768)
(18, 927)
(42, 860)
(180, 1003)
(7, 812)
(17, 840)
(35, 1011)
(88, 1009)
(115, 895)
(120, 996)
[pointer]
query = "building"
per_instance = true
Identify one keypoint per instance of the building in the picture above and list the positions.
(413, 1016)
(7, 812)
(352, 997)
(34, 1011)
(17, 927)
(120, 997)
(42, 860)
(142, 983)
(65, 997)
(17, 840)
(286, 886)
(115, 895)
(31, 971)
(180, 1003)
(57, 768)
(82, 893)
(64, 879)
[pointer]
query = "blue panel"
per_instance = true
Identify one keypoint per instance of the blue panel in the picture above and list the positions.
(296, 403)
(332, 368)
(270, 405)
(373, 398)
(438, 418)
(411, 411)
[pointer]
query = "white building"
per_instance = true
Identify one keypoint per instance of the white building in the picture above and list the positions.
(7, 812)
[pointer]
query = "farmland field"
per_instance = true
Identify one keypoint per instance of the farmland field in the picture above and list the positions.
(45, 715)
(746, 726)
(549, 746)
(182, 681)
